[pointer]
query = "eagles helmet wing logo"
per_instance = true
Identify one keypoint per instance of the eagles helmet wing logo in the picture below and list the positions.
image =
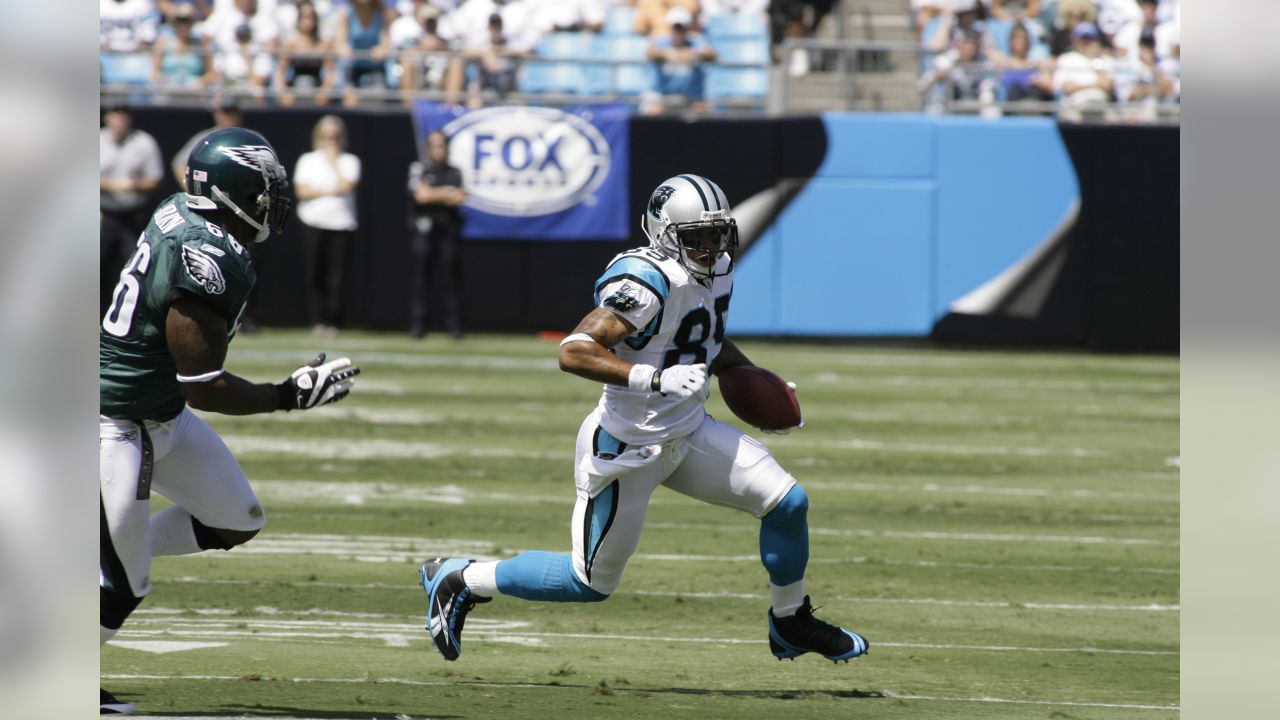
(258, 157)
(204, 270)
(658, 199)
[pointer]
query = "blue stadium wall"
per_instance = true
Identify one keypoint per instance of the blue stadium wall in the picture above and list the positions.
(879, 225)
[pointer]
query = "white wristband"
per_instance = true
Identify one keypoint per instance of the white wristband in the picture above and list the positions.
(205, 377)
(641, 377)
(577, 337)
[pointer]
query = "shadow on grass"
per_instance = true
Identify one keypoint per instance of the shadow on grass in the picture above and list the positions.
(285, 711)
(708, 692)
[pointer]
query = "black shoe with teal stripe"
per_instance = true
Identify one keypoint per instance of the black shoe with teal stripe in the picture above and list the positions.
(448, 602)
(109, 705)
(791, 637)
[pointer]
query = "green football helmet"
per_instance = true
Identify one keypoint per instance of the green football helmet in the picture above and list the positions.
(237, 169)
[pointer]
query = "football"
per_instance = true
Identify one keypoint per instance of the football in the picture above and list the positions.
(759, 397)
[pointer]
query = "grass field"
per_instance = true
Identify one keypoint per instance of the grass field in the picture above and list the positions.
(1003, 528)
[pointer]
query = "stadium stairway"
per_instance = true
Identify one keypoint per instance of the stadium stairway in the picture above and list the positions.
(881, 81)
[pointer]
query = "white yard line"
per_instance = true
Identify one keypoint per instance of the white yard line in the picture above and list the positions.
(511, 631)
(929, 535)
(342, 449)
(441, 683)
(355, 492)
(268, 444)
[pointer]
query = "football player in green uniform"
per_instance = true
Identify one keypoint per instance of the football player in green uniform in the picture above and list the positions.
(163, 343)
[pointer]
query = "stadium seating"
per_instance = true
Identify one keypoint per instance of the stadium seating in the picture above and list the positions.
(737, 25)
(620, 20)
(556, 77)
(737, 83)
(126, 69)
(631, 79)
(742, 50)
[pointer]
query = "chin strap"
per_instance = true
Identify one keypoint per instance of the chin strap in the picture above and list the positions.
(261, 227)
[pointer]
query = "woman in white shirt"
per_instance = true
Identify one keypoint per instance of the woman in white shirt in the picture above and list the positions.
(325, 184)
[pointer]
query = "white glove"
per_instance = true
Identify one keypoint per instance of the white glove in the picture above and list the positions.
(317, 383)
(683, 380)
(680, 380)
(785, 431)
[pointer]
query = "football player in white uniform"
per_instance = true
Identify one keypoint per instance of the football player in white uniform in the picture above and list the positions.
(658, 328)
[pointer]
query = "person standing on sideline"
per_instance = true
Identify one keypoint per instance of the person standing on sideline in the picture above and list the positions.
(162, 351)
(129, 170)
(326, 180)
(436, 198)
(657, 331)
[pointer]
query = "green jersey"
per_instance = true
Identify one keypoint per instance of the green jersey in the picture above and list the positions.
(180, 252)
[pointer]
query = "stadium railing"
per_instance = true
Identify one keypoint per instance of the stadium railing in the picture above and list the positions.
(738, 83)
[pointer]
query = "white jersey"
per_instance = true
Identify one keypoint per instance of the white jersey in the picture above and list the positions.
(678, 321)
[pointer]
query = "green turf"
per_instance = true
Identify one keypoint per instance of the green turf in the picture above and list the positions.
(1003, 527)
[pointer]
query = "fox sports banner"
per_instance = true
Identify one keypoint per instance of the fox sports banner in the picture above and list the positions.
(537, 173)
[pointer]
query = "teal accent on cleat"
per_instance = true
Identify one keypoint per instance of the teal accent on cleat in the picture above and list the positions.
(791, 637)
(108, 704)
(448, 602)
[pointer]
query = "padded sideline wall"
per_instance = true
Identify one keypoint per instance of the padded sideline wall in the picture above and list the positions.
(872, 225)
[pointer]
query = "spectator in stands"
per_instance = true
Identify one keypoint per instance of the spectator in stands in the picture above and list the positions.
(1019, 11)
(286, 15)
(1113, 15)
(129, 170)
(469, 25)
(229, 16)
(199, 8)
(569, 15)
(962, 69)
(1070, 14)
(652, 15)
(436, 197)
(362, 27)
(1083, 77)
(178, 59)
(433, 71)
(711, 8)
(127, 26)
(956, 21)
(247, 63)
(325, 181)
(1022, 77)
(679, 57)
(305, 60)
(1125, 41)
(494, 62)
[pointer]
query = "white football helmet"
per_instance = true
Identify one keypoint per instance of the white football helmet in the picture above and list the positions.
(688, 219)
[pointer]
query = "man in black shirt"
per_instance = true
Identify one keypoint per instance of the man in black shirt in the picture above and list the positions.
(436, 194)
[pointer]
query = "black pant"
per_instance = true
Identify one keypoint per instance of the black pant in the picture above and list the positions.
(117, 238)
(438, 246)
(324, 261)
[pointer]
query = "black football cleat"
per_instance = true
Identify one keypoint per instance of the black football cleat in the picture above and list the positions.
(448, 602)
(110, 705)
(791, 637)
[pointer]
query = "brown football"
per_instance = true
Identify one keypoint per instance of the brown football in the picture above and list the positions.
(759, 397)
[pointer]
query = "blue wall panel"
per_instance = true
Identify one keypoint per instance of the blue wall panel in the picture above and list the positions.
(857, 259)
(1003, 188)
(756, 304)
(879, 145)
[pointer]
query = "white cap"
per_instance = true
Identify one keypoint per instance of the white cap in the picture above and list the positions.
(679, 16)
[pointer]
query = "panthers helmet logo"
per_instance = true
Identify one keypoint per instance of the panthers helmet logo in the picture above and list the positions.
(658, 199)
